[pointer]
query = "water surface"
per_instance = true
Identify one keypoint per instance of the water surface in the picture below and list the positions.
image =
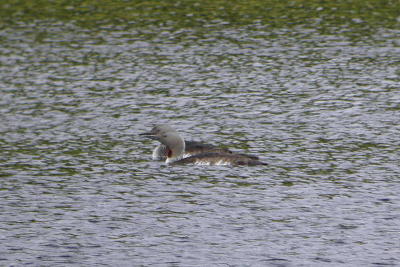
(78, 186)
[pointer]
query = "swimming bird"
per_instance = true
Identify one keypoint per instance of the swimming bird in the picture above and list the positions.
(176, 151)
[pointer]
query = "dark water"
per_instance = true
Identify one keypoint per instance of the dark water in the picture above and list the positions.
(78, 187)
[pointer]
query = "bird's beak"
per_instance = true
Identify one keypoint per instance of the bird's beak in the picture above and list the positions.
(149, 135)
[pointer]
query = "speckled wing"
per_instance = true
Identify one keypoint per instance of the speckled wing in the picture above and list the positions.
(214, 158)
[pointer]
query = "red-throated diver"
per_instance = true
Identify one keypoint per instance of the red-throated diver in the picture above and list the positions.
(175, 150)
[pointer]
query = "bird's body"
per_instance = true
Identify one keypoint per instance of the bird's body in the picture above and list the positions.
(194, 148)
(175, 151)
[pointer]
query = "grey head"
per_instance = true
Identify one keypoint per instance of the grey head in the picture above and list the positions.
(169, 137)
(158, 130)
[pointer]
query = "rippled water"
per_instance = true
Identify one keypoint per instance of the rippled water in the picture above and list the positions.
(78, 186)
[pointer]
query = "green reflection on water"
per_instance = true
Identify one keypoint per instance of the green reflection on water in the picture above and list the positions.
(193, 13)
